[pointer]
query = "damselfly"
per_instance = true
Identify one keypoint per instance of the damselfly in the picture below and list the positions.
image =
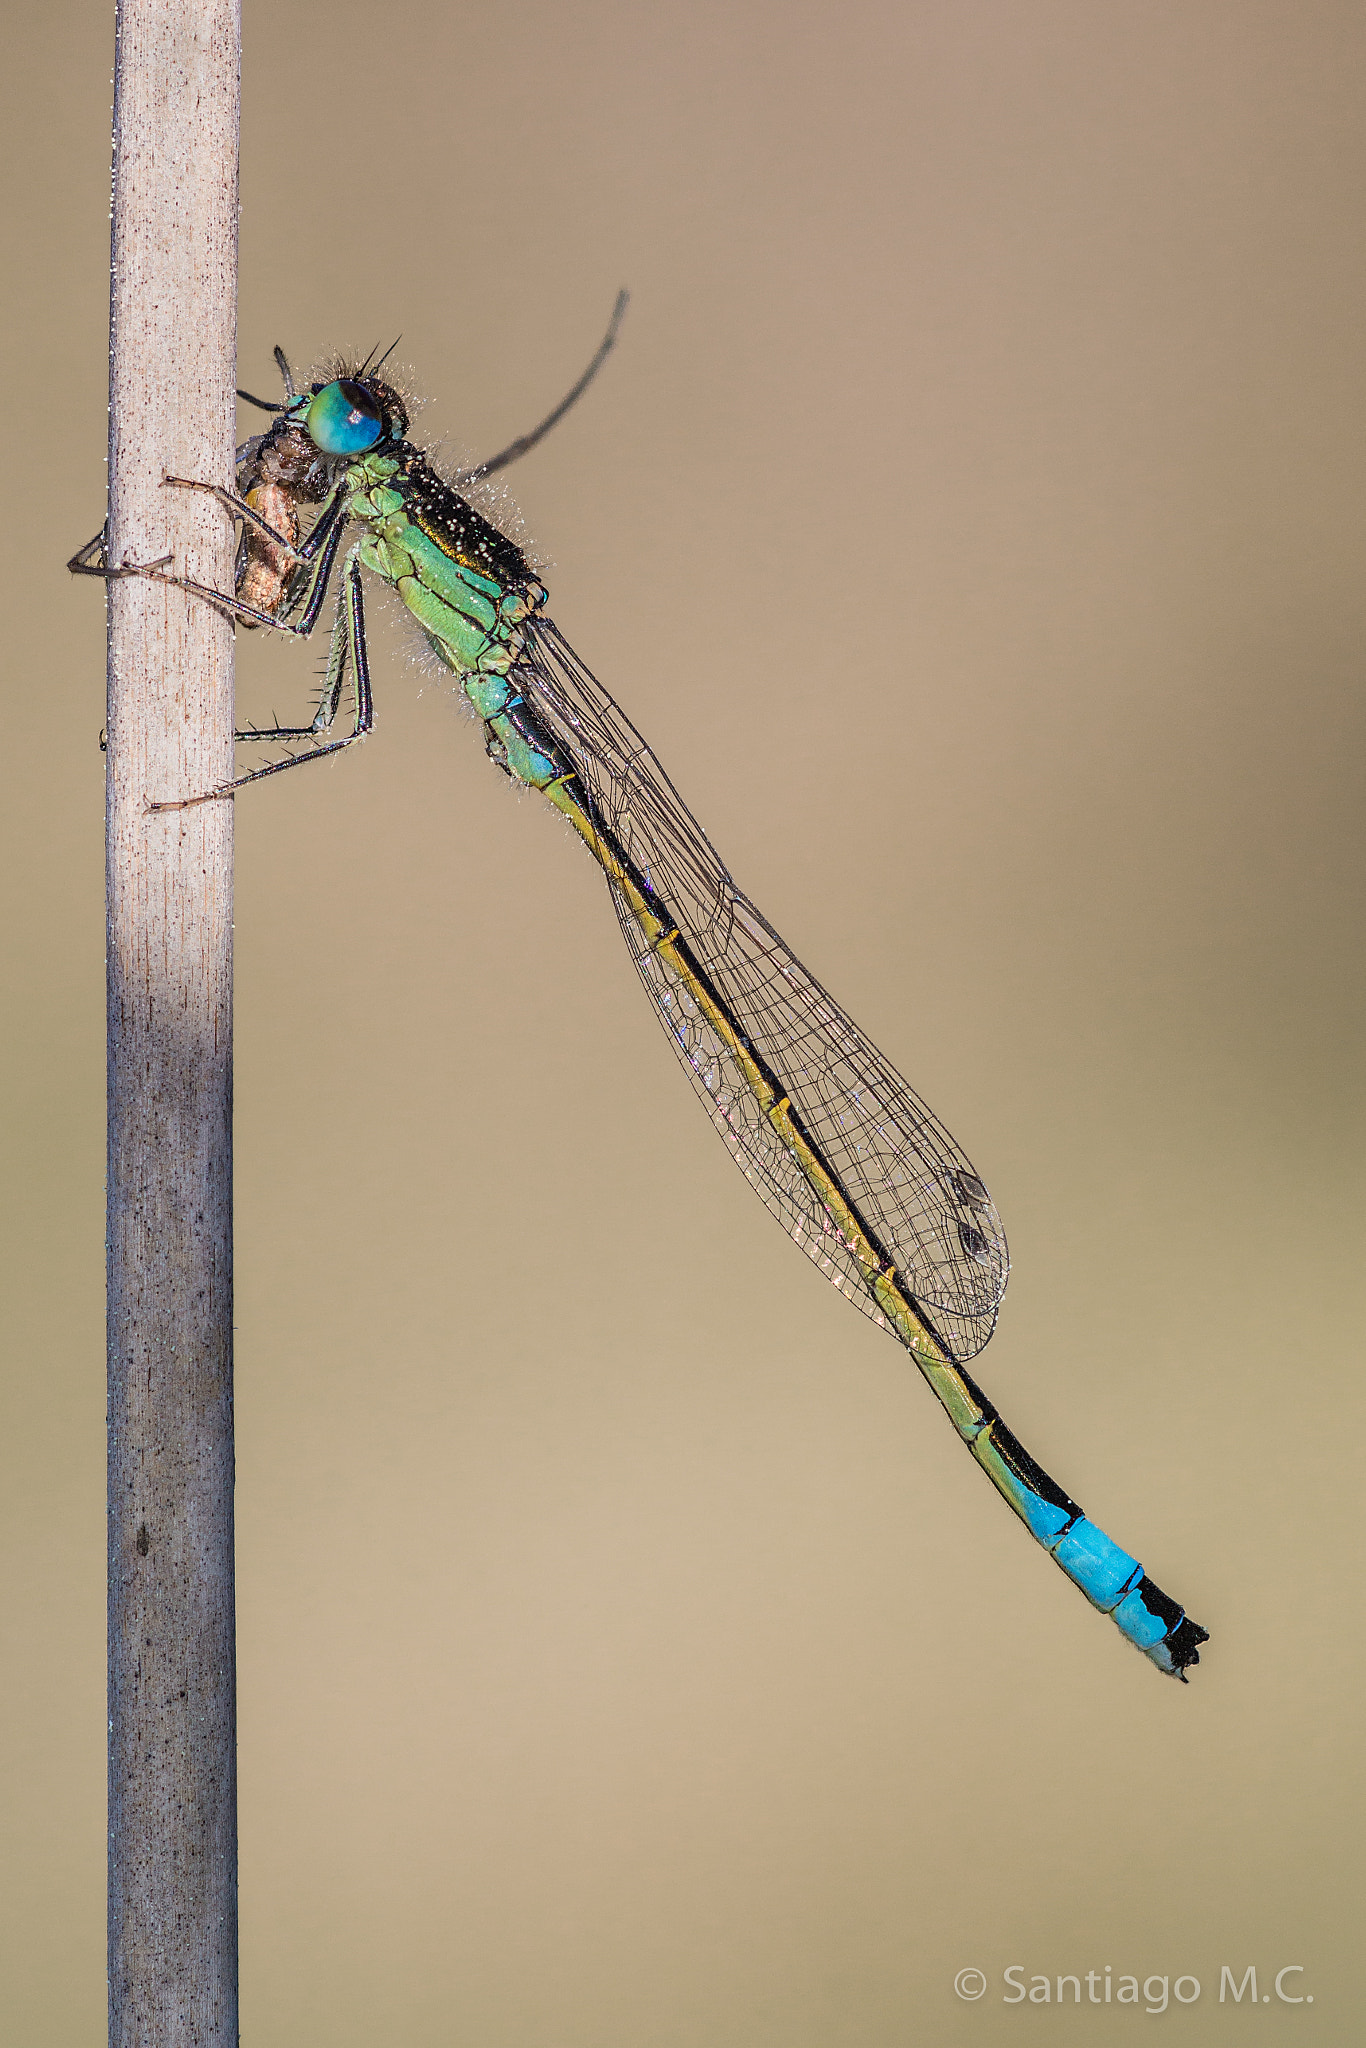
(858, 1170)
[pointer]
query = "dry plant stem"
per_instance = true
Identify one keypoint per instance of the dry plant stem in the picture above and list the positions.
(172, 1717)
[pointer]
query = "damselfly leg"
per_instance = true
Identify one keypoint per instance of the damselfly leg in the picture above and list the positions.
(347, 655)
(81, 563)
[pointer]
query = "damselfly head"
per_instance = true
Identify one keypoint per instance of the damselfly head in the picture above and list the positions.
(351, 415)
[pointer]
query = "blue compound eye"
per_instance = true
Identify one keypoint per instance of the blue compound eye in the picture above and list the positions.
(344, 419)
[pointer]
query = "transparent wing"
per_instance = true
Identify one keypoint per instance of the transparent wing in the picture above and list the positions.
(918, 1196)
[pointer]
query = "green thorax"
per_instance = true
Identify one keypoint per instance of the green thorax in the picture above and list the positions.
(468, 586)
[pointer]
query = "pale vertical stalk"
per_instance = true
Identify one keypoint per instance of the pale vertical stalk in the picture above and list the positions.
(172, 1712)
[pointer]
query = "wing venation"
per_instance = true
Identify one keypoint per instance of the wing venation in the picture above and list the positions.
(914, 1189)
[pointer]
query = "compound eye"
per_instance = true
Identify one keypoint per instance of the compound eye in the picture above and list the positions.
(344, 419)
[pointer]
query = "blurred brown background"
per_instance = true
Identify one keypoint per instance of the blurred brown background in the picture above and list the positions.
(972, 518)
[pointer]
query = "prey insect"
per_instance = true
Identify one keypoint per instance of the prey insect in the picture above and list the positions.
(859, 1171)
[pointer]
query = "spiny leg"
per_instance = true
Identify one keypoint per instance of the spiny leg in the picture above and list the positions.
(326, 533)
(327, 529)
(317, 535)
(321, 531)
(81, 564)
(240, 509)
(347, 650)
